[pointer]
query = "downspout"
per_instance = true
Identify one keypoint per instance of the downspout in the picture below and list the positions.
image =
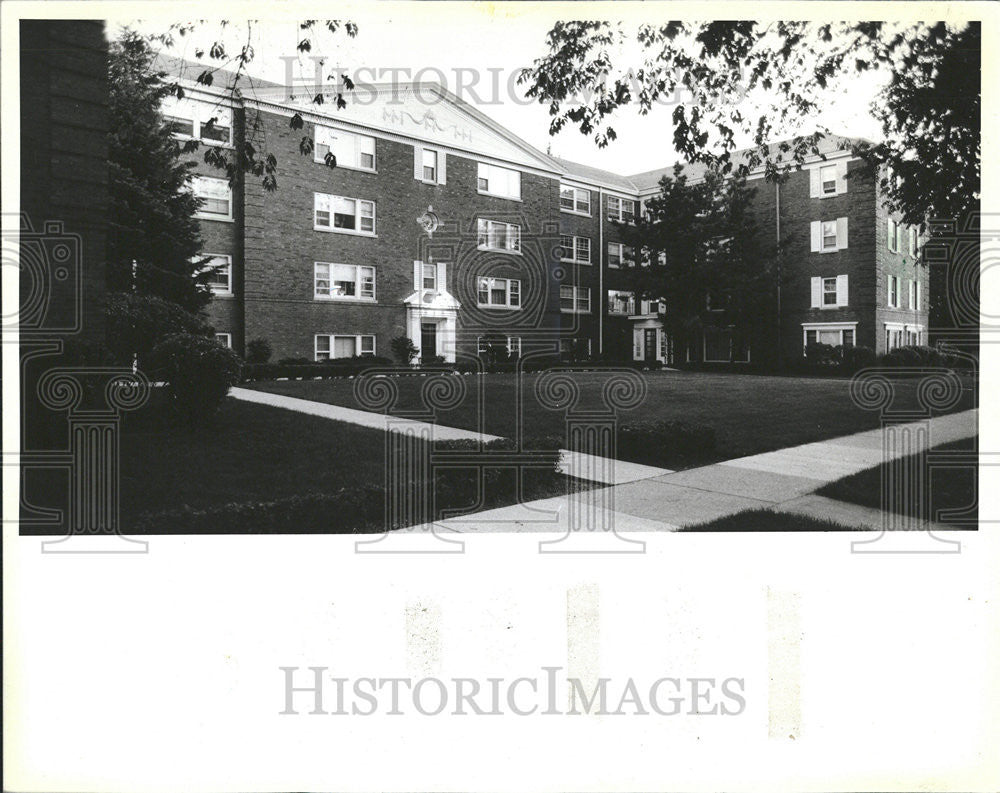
(600, 274)
(777, 249)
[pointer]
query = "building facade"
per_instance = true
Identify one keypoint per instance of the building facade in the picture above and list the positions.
(441, 226)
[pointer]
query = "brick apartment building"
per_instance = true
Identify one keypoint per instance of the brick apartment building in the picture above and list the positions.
(440, 225)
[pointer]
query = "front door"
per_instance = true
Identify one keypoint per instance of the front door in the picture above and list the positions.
(428, 340)
(649, 345)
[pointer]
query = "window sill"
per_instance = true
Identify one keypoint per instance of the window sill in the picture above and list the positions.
(498, 250)
(497, 195)
(340, 166)
(498, 308)
(430, 182)
(213, 143)
(575, 261)
(226, 295)
(573, 311)
(576, 212)
(218, 218)
(328, 299)
(350, 232)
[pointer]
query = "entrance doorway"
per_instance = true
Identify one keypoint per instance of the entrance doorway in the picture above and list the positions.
(428, 340)
(649, 344)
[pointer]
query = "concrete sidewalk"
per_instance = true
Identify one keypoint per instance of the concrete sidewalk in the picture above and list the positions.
(782, 480)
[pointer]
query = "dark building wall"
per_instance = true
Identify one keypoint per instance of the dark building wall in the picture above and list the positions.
(64, 174)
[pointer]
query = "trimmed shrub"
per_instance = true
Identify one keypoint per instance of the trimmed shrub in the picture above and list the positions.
(293, 369)
(854, 358)
(258, 351)
(819, 353)
(199, 373)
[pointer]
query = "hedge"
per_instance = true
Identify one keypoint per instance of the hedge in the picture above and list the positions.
(666, 443)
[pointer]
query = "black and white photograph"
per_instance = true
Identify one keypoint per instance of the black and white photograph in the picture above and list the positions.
(538, 361)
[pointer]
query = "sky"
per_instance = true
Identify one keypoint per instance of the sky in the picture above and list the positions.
(481, 47)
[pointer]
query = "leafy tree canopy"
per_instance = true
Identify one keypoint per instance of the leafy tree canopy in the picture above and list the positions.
(929, 109)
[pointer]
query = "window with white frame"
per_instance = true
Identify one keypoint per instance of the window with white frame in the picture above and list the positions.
(190, 119)
(914, 295)
(499, 292)
(912, 239)
(487, 344)
(217, 198)
(620, 302)
(575, 249)
(574, 299)
(497, 236)
(330, 345)
(429, 158)
(221, 279)
(892, 235)
(348, 215)
(829, 291)
(618, 254)
(894, 336)
(344, 281)
(225, 339)
(893, 290)
(828, 179)
(834, 335)
(574, 199)
(828, 236)
(621, 209)
(428, 276)
(494, 180)
(348, 148)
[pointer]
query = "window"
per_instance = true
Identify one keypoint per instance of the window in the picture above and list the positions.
(574, 199)
(332, 346)
(835, 335)
(893, 337)
(828, 178)
(620, 302)
(914, 295)
(511, 345)
(349, 149)
(430, 165)
(893, 236)
(221, 281)
(499, 292)
(574, 299)
(344, 281)
(429, 276)
(217, 198)
(893, 291)
(192, 120)
(829, 235)
(498, 181)
(618, 254)
(575, 249)
(497, 236)
(621, 209)
(829, 291)
(913, 241)
(336, 213)
(225, 339)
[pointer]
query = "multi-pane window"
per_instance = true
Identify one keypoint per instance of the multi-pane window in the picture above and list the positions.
(893, 291)
(349, 149)
(428, 276)
(225, 339)
(202, 121)
(430, 165)
(893, 236)
(828, 179)
(829, 291)
(574, 299)
(498, 181)
(915, 295)
(487, 344)
(337, 213)
(829, 235)
(574, 199)
(620, 302)
(621, 209)
(499, 236)
(618, 254)
(834, 336)
(912, 238)
(216, 195)
(344, 281)
(575, 249)
(499, 292)
(221, 279)
(329, 345)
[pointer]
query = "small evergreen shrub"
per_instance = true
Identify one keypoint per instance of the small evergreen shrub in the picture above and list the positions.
(198, 371)
(403, 349)
(258, 351)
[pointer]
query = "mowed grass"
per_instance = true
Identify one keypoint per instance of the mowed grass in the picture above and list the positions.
(761, 520)
(750, 413)
(952, 488)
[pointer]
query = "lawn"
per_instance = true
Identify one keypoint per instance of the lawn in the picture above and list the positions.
(949, 488)
(749, 413)
(260, 469)
(758, 520)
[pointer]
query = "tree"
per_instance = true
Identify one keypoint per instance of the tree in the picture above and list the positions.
(152, 207)
(929, 110)
(699, 251)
